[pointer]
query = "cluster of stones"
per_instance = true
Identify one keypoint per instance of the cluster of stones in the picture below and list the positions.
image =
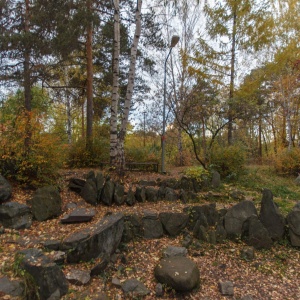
(101, 240)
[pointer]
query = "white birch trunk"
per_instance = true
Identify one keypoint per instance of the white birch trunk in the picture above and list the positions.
(115, 91)
(131, 76)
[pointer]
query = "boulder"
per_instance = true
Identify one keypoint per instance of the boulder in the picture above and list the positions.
(100, 180)
(15, 215)
(5, 189)
(79, 215)
(119, 194)
(140, 194)
(107, 194)
(293, 220)
(179, 273)
(78, 277)
(173, 223)
(151, 194)
(76, 185)
(134, 288)
(132, 227)
(13, 288)
(46, 203)
(101, 238)
(255, 234)
(152, 227)
(215, 180)
(170, 194)
(100, 266)
(271, 217)
(130, 198)
(89, 192)
(48, 277)
(236, 216)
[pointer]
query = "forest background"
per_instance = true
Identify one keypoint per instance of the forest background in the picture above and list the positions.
(72, 72)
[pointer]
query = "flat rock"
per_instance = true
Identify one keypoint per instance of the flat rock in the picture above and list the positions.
(79, 215)
(135, 288)
(78, 277)
(12, 288)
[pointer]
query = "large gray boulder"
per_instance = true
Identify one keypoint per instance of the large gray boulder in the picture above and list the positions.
(46, 203)
(173, 223)
(236, 216)
(178, 272)
(46, 274)
(15, 215)
(151, 226)
(89, 192)
(293, 220)
(107, 194)
(119, 194)
(5, 189)
(255, 234)
(91, 242)
(271, 217)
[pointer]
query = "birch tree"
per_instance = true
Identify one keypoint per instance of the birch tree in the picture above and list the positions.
(117, 155)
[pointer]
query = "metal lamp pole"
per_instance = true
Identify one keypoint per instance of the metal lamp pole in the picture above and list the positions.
(174, 41)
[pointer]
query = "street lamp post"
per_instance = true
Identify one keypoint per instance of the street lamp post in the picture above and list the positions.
(174, 41)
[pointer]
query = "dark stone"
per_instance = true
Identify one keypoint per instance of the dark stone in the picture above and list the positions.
(130, 198)
(170, 183)
(221, 233)
(212, 237)
(161, 193)
(15, 215)
(107, 194)
(186, 184)
(293, 220)
(236, 216)
(119, 194)
(79, 215)
(271, 217)
(216, 180)
(173, 223)
(5, 190)
(135, 288)
(78, 277)
(247, 253)
(101, 266)
(101, 238)
(12, 288)
(187, 241)
(46, 203)
(116, 282)
(76, 185)
(47, 275)
(255, 234)
(170, 194)
(52, 244)
(152, 227)
(91, 176)
(151, 194)
(100, 180)
(140, 194)
(159, 290)
(58, 257)
(171, 251)
(179, 273)
(89, 192)
(200, 233)
(132, 227)
(226, 288)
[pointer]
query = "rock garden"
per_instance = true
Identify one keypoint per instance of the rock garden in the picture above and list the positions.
(148, 237)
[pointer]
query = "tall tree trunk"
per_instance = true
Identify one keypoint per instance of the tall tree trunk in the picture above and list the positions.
(232, 77)
(27, 81)
(89, 85)
(115, 84)
(119, 158)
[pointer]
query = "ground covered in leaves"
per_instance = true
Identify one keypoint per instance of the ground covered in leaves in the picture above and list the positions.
(273, 274)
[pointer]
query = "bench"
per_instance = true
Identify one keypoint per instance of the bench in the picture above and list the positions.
(136, 166)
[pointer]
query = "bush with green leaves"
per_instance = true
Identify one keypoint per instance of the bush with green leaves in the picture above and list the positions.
(229, 161)
(197, 173)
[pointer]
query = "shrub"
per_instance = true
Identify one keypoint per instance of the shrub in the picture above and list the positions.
(79, 156)
(37, 165)
(287, 162)
(197, 173)
(228, 161)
